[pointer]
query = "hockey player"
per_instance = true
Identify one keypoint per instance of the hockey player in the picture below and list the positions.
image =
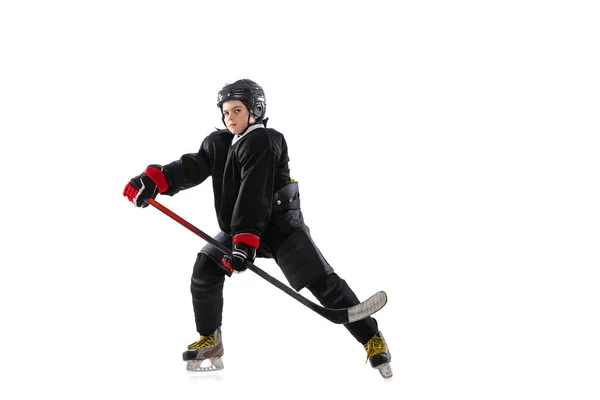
(258, 211)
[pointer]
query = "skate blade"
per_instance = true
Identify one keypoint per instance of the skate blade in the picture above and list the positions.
(216, 364)
(385, 370)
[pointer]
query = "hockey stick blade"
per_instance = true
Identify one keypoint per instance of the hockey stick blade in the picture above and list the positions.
(357, 312)
(338, 316)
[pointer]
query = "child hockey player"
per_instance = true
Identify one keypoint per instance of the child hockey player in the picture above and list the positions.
(258, 211)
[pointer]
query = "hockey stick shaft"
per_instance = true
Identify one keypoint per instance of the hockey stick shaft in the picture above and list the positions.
(338, 316)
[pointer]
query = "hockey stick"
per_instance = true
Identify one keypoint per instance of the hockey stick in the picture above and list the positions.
(338, 316)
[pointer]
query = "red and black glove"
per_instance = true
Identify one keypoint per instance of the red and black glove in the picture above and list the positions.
(145, 186)
(244, 248)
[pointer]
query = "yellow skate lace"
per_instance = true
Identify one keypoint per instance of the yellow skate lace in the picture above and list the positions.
(374, 346)
(210, 340)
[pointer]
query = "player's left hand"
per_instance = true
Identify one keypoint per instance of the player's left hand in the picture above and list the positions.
(244, 249)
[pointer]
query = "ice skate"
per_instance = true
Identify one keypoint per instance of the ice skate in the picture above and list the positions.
(378, 355)
(208, 350)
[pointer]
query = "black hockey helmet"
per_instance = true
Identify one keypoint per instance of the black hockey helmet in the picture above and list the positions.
(247, 91)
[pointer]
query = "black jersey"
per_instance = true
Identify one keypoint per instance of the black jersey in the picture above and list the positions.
(245, 173)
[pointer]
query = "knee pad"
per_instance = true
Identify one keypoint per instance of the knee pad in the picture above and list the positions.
(207, 275)
(332, 290)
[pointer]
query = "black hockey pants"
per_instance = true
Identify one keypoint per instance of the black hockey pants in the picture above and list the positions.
(328, 288)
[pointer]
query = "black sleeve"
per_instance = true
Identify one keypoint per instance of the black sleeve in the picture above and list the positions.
(190, 170)
(258, 163)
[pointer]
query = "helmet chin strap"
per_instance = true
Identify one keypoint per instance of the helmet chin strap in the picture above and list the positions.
(249, 125)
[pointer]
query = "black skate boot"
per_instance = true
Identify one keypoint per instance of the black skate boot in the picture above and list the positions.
(378, 355)
(206, 348)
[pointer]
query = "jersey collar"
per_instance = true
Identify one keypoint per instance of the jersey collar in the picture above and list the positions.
(242, 135)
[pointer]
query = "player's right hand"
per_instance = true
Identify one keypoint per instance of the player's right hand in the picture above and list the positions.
(145, 186)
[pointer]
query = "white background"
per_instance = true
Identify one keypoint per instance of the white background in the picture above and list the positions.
(446, 153)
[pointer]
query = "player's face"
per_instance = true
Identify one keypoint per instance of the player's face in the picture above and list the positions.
(236, 116)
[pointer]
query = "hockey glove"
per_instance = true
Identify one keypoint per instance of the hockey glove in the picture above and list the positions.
(244, 248)
(145, 186)
(226, 261)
